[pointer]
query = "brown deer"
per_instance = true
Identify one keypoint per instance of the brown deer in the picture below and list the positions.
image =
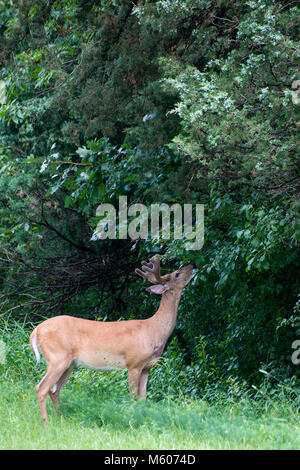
(67, 342)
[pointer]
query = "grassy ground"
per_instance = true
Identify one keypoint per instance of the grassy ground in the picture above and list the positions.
(89, 422)
(98, 414)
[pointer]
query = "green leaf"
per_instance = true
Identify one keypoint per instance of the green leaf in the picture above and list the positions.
(68, 201)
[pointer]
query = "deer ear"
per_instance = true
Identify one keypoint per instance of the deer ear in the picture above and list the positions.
(157, 289)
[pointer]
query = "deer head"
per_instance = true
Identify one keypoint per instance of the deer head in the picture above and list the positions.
(175, 281)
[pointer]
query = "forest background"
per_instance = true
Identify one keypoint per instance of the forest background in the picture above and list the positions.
(189, 102)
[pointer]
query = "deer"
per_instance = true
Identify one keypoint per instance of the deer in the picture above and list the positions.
(67, 342)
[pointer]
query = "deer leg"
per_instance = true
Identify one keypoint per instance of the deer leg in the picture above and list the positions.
(143, 384)
(134, 381)
(55, 390)
(54, 372)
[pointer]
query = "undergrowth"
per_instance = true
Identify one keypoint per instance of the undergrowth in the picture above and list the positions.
(97, 412)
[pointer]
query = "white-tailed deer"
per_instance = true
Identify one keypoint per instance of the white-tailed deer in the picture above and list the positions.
(67, 342)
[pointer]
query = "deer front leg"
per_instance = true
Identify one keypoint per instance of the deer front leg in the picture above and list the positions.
(143, 384)
(134, 382)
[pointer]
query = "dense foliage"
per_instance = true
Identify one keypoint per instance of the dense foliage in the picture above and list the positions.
(189, 102)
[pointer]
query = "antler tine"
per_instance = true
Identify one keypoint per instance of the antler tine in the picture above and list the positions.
(151, 270)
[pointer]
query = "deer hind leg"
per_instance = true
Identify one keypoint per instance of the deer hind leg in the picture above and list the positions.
(54, 372)
(55, 390)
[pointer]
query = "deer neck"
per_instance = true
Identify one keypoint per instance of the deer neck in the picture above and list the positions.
(166, 315)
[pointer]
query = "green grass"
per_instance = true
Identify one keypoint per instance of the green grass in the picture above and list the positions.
(97, 413)
(91, 422)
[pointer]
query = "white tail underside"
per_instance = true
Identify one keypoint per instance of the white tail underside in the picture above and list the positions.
(35, 348)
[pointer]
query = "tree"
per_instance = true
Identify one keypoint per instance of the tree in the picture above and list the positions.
(189, 102)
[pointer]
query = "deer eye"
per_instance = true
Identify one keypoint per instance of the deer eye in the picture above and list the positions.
(177, 274)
